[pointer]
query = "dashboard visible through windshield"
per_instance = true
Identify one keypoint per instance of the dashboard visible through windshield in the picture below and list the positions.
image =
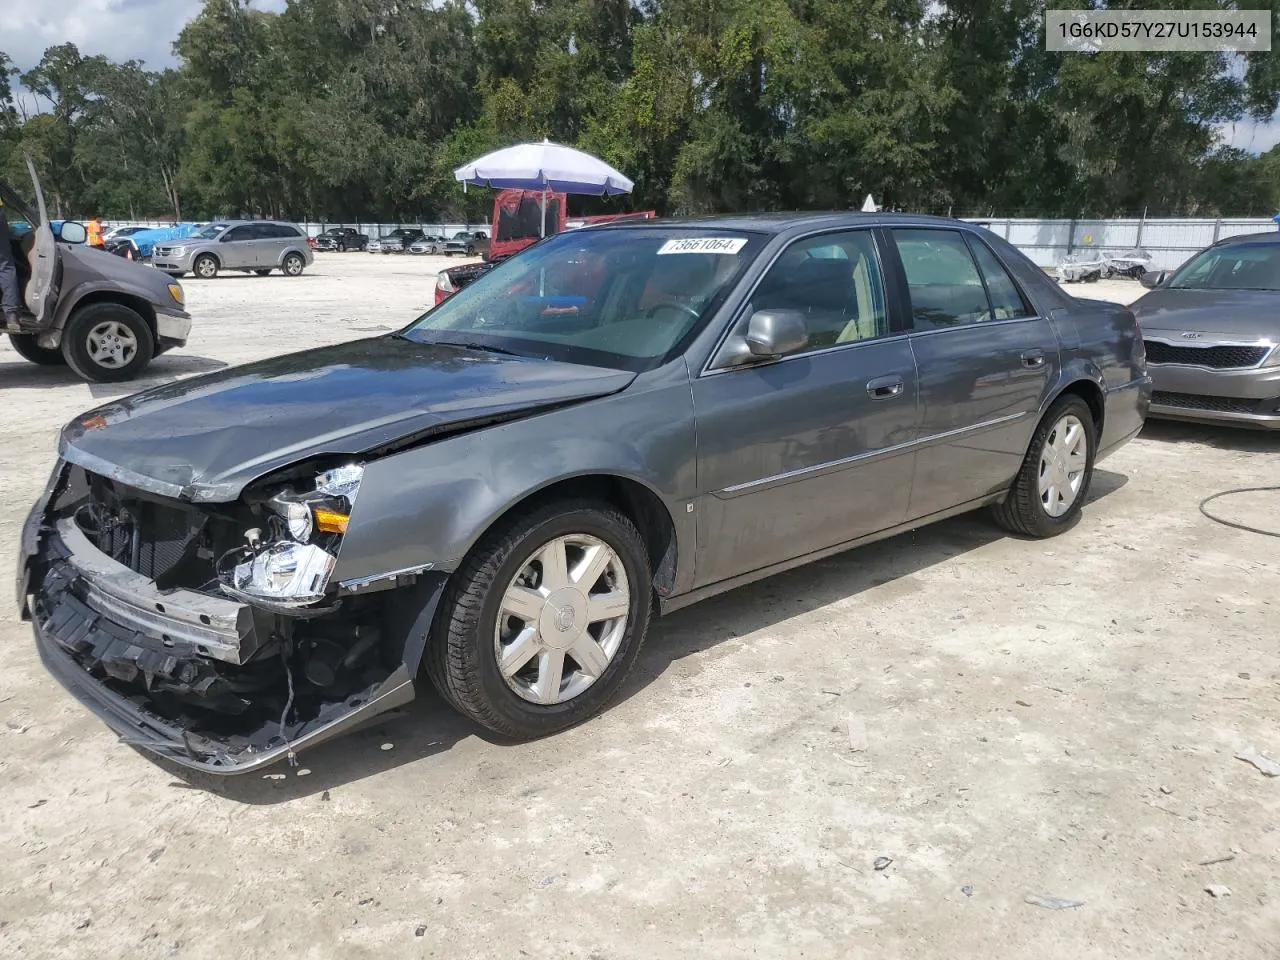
(615, 297)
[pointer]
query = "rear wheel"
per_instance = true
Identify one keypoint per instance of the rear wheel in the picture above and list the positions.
(543, 620)
(292, 265)
(205, 266)
(1049, 492)
(27, 347)
(107, 342)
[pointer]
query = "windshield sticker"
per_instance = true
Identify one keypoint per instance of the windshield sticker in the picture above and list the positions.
(730, 245)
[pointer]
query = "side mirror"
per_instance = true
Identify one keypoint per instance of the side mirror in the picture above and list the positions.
(775, 333)
(73, 232)
(1153, 279)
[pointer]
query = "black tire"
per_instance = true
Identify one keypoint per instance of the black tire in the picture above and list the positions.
(27, 348)
(342, 246)
(88, 319)
(293, 264)
(205, 266)
(1023, 511)
(461, 659)
(263, 273)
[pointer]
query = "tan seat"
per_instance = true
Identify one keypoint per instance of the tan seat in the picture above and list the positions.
(870, 321)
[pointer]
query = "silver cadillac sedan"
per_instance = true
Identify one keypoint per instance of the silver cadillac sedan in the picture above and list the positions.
(1212, 329)
(617, 422)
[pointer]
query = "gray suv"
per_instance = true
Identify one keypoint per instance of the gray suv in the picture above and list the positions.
(103, 316)
(252, 246)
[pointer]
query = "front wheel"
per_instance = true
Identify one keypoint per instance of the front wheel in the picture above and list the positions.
(543, 620)
(107, 343)
(205, 267)
(27, 347)
(1049, 492)
(292, 265)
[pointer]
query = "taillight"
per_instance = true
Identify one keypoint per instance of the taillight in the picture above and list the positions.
(444, 288)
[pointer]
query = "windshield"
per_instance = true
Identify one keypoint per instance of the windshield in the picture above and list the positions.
(1238, 266)
(209, 232)
(618, 298)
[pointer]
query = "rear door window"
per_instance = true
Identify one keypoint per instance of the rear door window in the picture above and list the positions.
(1007, 302)
(943, 280)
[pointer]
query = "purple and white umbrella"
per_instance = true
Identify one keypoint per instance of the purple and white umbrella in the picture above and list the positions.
(549, 167)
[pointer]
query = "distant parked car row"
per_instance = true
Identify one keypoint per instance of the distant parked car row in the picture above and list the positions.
(465, 243)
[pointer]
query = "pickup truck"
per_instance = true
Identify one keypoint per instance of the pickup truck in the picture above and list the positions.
(467, 244)
(341, 239)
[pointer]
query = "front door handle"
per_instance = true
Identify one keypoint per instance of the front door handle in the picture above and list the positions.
(884, 388)
(1033, 359)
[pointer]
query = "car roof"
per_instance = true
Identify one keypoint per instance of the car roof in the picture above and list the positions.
(239, 223)
(774, 223)
(1250, 238)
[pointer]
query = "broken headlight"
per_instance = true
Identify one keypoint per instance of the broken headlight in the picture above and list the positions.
(290, 558)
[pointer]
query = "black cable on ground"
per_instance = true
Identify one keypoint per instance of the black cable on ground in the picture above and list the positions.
(1231, 523)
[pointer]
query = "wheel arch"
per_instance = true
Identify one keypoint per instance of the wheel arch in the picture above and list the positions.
(205, 253)
(1091, 393)
(288, 250)
(112, 294)
(632, 497)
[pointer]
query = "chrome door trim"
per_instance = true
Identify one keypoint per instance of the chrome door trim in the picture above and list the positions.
(934, 331)
(738, 489)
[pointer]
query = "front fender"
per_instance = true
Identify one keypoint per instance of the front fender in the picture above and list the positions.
(429, 505)
(73, 297)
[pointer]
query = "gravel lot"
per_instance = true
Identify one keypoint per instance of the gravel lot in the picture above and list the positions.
(1051, 719)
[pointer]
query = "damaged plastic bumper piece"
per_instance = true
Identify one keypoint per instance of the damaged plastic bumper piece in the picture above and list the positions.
(117, 643)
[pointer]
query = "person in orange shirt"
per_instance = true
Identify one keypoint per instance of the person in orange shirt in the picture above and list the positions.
(95, 232)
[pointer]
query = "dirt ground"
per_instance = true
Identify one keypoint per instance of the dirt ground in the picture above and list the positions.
(1039, 718)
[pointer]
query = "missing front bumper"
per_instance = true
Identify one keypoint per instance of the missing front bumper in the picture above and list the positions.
(139, 659)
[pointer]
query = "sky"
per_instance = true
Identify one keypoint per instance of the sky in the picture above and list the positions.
(121, 29)
(145, 30)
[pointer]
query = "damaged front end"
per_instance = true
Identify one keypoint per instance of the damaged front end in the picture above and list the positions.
(209, 633)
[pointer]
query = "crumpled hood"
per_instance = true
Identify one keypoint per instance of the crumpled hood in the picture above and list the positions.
(207, 437)
(1231, 314)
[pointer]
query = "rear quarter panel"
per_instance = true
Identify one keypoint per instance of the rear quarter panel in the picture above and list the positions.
(1102, 342)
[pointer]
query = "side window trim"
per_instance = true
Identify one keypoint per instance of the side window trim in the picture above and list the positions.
(715, 364)
(904, 288)
(1027, 303)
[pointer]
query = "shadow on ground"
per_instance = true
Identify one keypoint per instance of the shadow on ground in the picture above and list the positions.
(1222, 436)
(428, 726)
(163, 369)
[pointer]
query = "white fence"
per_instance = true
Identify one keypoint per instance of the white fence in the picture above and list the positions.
(1170, 242)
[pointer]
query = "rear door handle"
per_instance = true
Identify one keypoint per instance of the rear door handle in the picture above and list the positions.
(1033, 359)
(884, 388)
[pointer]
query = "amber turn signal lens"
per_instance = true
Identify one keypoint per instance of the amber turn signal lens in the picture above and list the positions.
(330, 521)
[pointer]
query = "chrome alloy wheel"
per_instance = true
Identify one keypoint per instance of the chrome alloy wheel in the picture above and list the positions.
(112, 345)
(1062, 465)
(562, 619)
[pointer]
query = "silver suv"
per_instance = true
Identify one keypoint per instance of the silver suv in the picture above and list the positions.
(253, 246)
